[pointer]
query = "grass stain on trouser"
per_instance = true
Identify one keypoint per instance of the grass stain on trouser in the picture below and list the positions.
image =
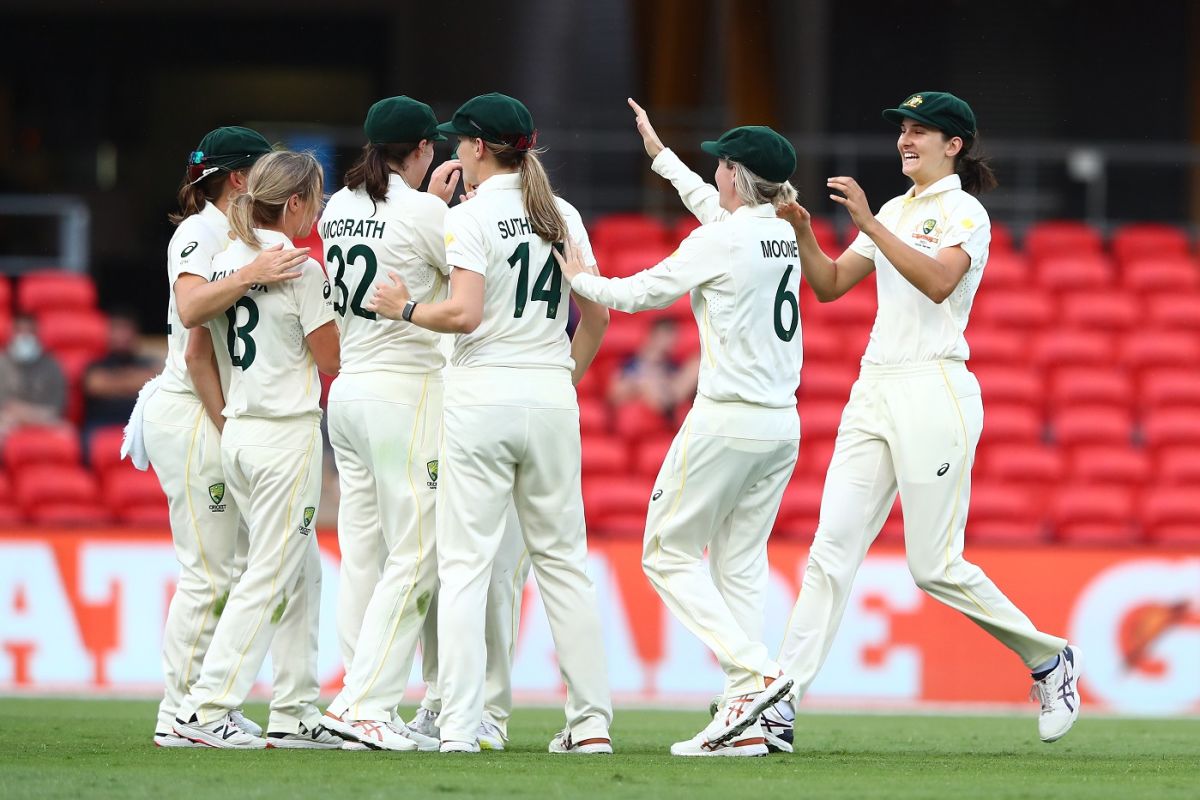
(279, 609)
(219, 606)
(423, 602)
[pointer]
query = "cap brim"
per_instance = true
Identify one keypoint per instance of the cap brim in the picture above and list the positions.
(712, 148)
(435, 136)
(898, 115)
(453, 130)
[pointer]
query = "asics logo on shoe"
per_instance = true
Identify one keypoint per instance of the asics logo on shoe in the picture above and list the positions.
(1066, 692)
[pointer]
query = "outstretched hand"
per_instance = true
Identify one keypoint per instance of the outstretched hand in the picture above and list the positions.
(570, 262)
(794, 213)
(853, 199)
(389, 301)
(650, 139)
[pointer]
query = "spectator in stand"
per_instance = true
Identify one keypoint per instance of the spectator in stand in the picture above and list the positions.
(33, 389)
(652, 376)
(111, 384)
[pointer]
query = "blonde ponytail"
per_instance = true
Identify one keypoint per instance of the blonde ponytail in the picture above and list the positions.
(537, 195)
(754, 190)
(273, 180)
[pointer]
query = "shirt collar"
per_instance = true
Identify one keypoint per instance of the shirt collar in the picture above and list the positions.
(213, 214)
(937, 187)
(269, 238)
(763, 210)
(503, 180)
(397, 183)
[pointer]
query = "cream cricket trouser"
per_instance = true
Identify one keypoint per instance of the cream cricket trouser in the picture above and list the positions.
(719, 488)
(912, 428)
(273, 470)
(514, 431)
(388, 449)
(506, 588)
(185, 448)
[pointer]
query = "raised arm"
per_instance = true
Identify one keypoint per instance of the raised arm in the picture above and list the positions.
(199, 301)
(657, 287)
(701, 199)
(828, 278)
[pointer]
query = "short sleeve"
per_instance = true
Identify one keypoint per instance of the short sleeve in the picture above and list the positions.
(970, 229)
(864, 246)
(191, 251)
(314, 298)
(429, 229)
(466, 246)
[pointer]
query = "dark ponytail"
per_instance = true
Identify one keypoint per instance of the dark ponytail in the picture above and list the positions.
(974, 171)
(194, 196)
(371, 170)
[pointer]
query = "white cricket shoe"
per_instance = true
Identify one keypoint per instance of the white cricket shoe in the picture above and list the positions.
(740, 712)
(1059, 695)
(749, 743)
(595, 745)
(319, 738)
(777, 724)
(173, 740)
(424, 723)
(426, 744)
(221, 734)
(451, 746)
(349, 745)
(490, 737)
(245, 723)
(375, 734)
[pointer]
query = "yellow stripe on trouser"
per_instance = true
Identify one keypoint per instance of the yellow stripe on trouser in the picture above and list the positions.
(212, 601)
(412, 584)
(687, 433)
(287, 529)
(957, 496)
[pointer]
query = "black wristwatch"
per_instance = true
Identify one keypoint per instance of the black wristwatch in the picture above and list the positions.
(406, 314)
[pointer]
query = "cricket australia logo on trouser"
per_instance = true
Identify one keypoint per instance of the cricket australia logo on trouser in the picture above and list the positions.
(216, 493)
(309, 513)
(431, 467)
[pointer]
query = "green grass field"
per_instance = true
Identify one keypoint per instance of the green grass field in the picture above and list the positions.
(87, 749)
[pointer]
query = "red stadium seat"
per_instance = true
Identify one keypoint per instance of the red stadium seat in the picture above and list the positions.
(650, 454)
(1160, 349)
(822, 380)
(55, 290)
(1006, 270)
(826, 235)
(73, 330)
(593, 416)
(1149, 240)
(629, 230)
(1011, 422)
(606, 495)
(819, 419)
(823, 344)
(604, 455)
(1023, 464)
(683, 228)
(104, 447)
(1110, 464)
(994, 346)
(125, 486)
(636, 420)
(1092, 425)
(155, 515)
(1075, 272)
(1015, 309)
(799, 511)
(1061, 237)
(1002, 238)
(1002, 513)
(6, 325)
(687, 345)
(5, 296)
(814, 457)
(73, 514)
(1171, 273)
(1095, 515)
(625, 336)
(893, 526)
(1056, 348)
(41, 445)
(5, 488)
(1170, 427)
(1174, 311)
(11, 516)
(44, 484)
(1170, 388)
(630, 261)
(1171, 516)
(1003, 384)
(1074, 386)
(1179, 466)
(1115, 310)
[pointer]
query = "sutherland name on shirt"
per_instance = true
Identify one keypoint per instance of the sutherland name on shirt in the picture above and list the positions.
(366, 228)
(515, 226)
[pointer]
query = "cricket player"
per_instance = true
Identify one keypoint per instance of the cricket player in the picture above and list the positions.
(511, 419)
(276, 337)
(181, 440)
(724, 476)
(915, 414)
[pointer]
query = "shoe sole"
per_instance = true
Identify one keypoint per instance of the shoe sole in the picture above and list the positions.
(1077, 670)
(491, 745)
(206, 739)
(746, 751)
(175, 741)
(351, 734)
(769, 697)
(776, 745)
(283, 744)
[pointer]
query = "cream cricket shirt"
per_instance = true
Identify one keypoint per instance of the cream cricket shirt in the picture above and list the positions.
(909, 327)
(743, 273)
(197, 241)
(526, 301)
(363, 241)
(262, 335)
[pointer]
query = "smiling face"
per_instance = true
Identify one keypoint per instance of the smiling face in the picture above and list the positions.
(926, 154)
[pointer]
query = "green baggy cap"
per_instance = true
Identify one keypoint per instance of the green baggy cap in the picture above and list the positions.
(762, 150)
(229, 148)
(940, 110)
(401, 119)
(495, 118)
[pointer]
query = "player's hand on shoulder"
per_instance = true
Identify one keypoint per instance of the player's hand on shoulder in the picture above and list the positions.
(276, 265)
(650, 139)
(444, 180)
(570, 261)
(389, 299)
